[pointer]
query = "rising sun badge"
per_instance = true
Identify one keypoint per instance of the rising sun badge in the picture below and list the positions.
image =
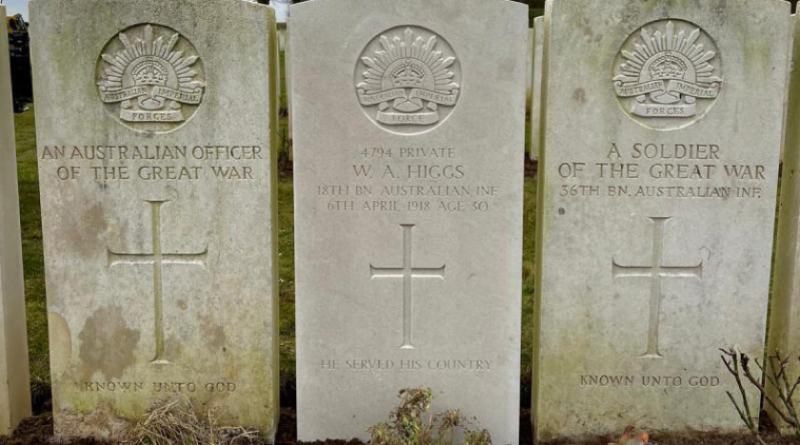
(668, 74)
(151, 78)
(408, 80)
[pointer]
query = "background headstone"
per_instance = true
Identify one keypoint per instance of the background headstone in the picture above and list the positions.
(529, 72)
(657, 201)
(537, 99)
(408, 131)
(15, 395)
(155, 133)
(281, 8)
(287, 66)
(784, 328)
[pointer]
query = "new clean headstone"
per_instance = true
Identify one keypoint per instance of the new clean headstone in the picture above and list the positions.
(155, 134)
(657, 209)
(537, 99)
(784, 328)
(15, 396)
(409, 127)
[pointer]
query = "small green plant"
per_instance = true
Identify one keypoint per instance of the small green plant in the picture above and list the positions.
(778, 391)
(411, 423)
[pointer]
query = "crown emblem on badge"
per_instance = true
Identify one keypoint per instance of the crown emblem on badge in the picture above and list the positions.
(149, 79)
(668, 67)
(408, 77)
(150, 73)
(667, 71)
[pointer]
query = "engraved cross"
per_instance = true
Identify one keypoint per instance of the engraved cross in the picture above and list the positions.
(656, 273)
(407, 272)
(158, 259)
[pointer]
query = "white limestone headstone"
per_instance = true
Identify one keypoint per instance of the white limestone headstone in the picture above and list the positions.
(281, 8)
(657, 204)
(15, 395)
(529, 72)
(538, 98)
(155, 139)
(287, 66)
(784, 327)
(408, 132)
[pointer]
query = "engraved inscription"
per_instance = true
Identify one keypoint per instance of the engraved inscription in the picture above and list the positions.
(157, 259)
(115, 163)
(667, 72)
(158, 387)
(388, 364)
(408, 79)
(151, 78)
(656, 272)
(649, 381)
(686, 170)
(407, 272)
(410, 179)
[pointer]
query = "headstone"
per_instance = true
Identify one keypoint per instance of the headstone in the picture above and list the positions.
(537, 99)
(281, 8)
(409, 127)
(15, 395)
(656, 210)
(784, 328)
(155, 142)
(287, 66)
(529, 71)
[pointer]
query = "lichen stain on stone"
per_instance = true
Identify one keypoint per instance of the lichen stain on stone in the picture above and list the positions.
(89, 230)
(214, 333)
(174, 348)
(107, 344)
(579, 95)
(60, 344)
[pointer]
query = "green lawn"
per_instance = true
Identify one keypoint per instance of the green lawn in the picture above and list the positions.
(34, 266)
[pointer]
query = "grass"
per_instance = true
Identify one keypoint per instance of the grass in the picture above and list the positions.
(35, 278)
(33, 257)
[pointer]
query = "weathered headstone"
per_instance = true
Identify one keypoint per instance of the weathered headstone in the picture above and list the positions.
(536, 107)
(15, 396)
(409, 128)
(155, 133)
(784, 328)
(656, 209)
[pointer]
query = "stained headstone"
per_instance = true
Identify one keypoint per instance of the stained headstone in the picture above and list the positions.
(155, 142)
(784, 328)
(537, 99)
(409, 127)
(656, 210)
(15, 396)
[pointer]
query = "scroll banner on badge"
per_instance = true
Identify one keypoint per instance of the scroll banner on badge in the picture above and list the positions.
(408, 118)
(189, 98)
(661, 87)
(400, 93)
(673, 86)
(151, 116)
